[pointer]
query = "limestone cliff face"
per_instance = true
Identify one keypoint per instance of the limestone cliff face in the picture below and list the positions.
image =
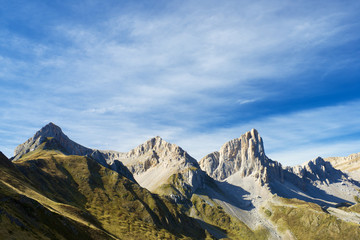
(350, 163)
(155, 161)
(53, 137)
(244, 155)
(156, 151)
(317, 170)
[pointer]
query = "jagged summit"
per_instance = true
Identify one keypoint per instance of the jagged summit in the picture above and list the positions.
(242, 162)
(318, 169)
(54, 138)
(50, 131)
(244, 155)
(157, 148)
(349, 164)
(155, 161)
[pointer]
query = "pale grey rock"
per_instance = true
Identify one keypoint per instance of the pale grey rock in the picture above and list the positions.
(348, 164)
(244, 156)
(320, 180)
(318, 170)
(155, 161)
(156, 151)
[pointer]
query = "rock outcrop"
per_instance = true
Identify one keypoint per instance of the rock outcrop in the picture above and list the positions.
(52, 137)
(242, 162)
(320, 170)
(317, 170)
(348, 164)
(156, 151)
(156, 162)
(50, 131)
(244, 156)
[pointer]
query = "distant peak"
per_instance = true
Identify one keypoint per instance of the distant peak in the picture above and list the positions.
(49, 130)
(157, 138)
(316, 161)
(244, 154)
(156, 141)
(253, 130)
(51, 125)
(253, 133)
(58, 140)
(156, 144)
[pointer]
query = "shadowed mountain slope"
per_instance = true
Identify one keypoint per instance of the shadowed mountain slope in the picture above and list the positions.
(349, 164)
(23, 217)
(81, 189)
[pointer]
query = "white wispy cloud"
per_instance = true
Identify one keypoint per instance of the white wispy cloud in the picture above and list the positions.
(136, 75)
(245, 101)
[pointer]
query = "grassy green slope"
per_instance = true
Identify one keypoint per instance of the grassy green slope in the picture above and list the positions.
(22, 217)
(309, 221)
(81, 189)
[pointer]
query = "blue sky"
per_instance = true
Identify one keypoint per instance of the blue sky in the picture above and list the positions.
(112, 74)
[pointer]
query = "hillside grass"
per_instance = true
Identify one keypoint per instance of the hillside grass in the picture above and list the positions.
(176, 185)
(82, 189)
(22, 217)
(308, 221)
(213, 214)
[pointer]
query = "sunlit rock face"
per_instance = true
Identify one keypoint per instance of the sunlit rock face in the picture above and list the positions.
(244, 156)
(155, 161)
(317, 170)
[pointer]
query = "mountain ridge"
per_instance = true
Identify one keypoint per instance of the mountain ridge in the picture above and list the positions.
(155, 159)
(230, 193)
(52, 136)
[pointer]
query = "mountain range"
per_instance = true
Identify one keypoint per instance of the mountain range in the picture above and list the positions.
(55, 188)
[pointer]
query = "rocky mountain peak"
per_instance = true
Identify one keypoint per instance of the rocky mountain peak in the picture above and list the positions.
(319, 170)
(156, 145)
(244, 155)
(55, 133)
(54, 138)
(316, 170)
(349, 164)
(49, 130)
(157, 162)
(155, 151)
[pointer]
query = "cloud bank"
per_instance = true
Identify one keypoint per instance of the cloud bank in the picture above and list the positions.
(198, 74)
